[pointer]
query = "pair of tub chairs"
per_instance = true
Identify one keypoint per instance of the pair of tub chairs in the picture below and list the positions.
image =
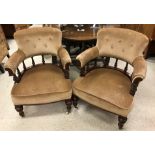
(101, 83)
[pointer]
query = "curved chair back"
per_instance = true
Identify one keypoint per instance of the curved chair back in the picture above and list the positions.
(40, 40)
(121, 43)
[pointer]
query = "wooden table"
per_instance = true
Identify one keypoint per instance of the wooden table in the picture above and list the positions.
(84, 33)
(79, 38)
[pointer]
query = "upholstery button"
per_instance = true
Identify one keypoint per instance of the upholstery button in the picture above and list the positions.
(34, 46)
(107, 40)
(131, 45)
(120, 41)
(112, 46)
(122, 50)
(27, 40)
(39, 39)
(51, 38)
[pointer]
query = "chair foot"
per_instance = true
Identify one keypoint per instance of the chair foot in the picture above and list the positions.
(2, 69)
(75, 101)
(121, 121)
(19, 108)
(68, 105)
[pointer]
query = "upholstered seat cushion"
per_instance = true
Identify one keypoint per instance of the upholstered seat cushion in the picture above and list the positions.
(106, 85)
(42, 84)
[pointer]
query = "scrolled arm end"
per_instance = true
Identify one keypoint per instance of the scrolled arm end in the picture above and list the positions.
(13, 62)
(140, 68)
(134, 86)
(87, 55)
(139, 73)
(64, 58)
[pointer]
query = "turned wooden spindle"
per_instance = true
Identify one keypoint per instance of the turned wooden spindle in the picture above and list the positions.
(18, 71)
(126, 67)
(24, 66)
(33, 62)
(116, 62)
(43, 60)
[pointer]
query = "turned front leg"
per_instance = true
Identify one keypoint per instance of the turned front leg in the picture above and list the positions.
(19, 108)
(75, 101)
(121, 121)
(68, 105)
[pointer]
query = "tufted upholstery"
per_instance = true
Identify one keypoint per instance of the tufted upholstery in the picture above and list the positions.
(107, 87)
(35, 41)
(121, 43)
(127, 45)
(40, 83)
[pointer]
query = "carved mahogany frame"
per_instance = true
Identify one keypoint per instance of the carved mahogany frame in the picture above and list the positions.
(104, 63)
(18, 76)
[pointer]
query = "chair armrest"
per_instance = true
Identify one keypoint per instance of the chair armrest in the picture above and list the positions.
(3, 52)
(14, 61)
(64, 57)
(139, 73)
(140, 67)
(87, 56)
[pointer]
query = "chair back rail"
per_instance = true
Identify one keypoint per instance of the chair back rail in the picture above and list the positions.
(19, 73)
(104, 62)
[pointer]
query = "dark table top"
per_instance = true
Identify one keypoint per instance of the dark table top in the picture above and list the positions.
(83, 33)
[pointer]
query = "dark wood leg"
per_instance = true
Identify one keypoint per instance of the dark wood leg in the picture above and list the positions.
(75, 101)
(2, 69)
(19, 108)
(121, 121)
(69, 105)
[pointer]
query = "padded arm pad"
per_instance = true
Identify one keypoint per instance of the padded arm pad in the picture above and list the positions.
(64, 57)
(140, 68)
(3, 52)
(14, 61)
(88, 55)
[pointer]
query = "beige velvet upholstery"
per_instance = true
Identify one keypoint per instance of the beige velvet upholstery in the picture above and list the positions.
(103, 104)
(3, 52)
(64, 56)
(14, 61)
(121, 43)
(107, 85)
(88, 55)
(49, 86)
(43, 83)
(38, 40)
(109, 88)
(140, 68)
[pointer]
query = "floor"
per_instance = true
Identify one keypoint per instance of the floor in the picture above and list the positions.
(86, 117)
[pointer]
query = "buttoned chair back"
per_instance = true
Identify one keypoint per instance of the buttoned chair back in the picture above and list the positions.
(121, 43)
(112, 70)
(39, 82)
(37, 41)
